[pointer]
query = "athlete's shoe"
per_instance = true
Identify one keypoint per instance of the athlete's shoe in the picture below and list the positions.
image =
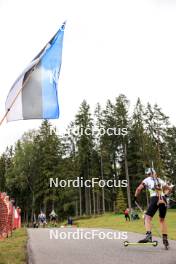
(147, 239)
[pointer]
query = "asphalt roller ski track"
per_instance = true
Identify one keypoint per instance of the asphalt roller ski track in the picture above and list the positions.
(43, 249)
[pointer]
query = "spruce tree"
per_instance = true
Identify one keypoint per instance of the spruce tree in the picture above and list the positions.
(121, 203)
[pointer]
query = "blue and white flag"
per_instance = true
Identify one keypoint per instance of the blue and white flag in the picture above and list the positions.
(34, 93)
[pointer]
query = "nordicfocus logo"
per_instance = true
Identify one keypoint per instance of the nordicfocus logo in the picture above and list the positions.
(81, 234)
(96, 131)
(80, 182)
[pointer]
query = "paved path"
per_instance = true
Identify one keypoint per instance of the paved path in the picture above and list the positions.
(43, 249)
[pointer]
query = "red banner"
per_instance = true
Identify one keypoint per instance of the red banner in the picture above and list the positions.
(10, 217)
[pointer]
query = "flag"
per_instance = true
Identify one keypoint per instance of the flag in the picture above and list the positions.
(34, 93)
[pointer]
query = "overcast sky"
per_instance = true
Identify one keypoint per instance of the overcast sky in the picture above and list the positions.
(110, 47)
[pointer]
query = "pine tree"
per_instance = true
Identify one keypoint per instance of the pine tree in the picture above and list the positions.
(120, 202)
(2, 173)
(85, 148)
(156, 125)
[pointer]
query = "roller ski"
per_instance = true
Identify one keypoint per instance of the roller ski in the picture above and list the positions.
(147, 241)
(153, 243)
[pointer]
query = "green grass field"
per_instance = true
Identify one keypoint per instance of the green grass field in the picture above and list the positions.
(118, 222)
(13, 249)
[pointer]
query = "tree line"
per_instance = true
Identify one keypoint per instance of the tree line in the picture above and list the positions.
(26, 167)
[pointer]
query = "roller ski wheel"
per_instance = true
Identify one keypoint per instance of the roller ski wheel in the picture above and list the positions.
(126, 243)
(155, 243)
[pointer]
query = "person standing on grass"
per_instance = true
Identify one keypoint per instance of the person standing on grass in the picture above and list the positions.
(156, 188)
(126, 213)
(69, 221)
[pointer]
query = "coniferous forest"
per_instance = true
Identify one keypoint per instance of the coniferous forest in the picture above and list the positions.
(26, 167)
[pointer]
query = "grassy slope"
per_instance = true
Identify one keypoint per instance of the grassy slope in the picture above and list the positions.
(13, 249)
(118, 222)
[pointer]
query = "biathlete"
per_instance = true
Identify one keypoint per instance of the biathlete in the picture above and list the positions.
(156, 187)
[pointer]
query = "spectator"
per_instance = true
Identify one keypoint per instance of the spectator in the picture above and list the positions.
(53, 217)
(42, 219)
(134, 215)
(69, 221)
(126, 213)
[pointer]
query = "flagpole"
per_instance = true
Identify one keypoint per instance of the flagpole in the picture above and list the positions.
(2, 120)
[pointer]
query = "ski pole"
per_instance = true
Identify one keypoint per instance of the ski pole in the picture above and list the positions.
(140, 208)
(172, 200)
